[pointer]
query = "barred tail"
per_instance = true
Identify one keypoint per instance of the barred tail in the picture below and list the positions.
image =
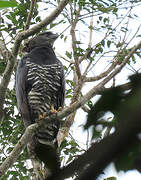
(46, 146)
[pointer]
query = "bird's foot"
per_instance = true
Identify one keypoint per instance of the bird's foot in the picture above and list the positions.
(59, 109)
(42, 116)
(54, 111)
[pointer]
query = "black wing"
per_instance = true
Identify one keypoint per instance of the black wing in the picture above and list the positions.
(61, 93)
(22, 89)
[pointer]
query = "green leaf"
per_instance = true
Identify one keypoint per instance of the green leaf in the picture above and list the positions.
(111, 178)
(69, 96)
(52, 25)
(68, 91)
(69, 55)
(108, 43)
(2, 66)
(133, 59)
(70, 82)
(103, 43)
(5, 4)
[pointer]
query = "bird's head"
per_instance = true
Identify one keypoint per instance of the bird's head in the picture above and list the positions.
(48, 37)
(41, 40)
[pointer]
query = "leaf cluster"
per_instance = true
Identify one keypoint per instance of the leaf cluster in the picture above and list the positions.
(118, 102)
(69, 150)
(11, 131)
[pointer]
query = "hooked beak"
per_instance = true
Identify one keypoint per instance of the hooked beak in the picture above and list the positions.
(54, 36)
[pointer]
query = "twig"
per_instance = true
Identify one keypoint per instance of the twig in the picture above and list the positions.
(102, 75)
(74, 40)
(91, 32)
(89, 47)
(30, 14)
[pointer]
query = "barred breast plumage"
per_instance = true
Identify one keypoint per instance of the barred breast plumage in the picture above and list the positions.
(45, 86)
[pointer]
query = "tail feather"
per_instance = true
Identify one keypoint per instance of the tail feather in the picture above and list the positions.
(46, 145)
(49, 156)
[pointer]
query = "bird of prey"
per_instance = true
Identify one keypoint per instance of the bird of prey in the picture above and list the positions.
(40, 87)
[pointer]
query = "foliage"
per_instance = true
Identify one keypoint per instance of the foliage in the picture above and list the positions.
(69, 150)
(5, 4)
(119, 102)
(11, 131)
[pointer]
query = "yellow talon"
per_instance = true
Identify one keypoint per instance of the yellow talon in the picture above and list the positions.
(41, 116)
(59, 109)
(52, 110)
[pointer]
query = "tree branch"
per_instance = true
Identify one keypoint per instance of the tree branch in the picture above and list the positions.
(89, 48)
(30, 14)
(74, 40)
(3, 86)
(95, 90)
